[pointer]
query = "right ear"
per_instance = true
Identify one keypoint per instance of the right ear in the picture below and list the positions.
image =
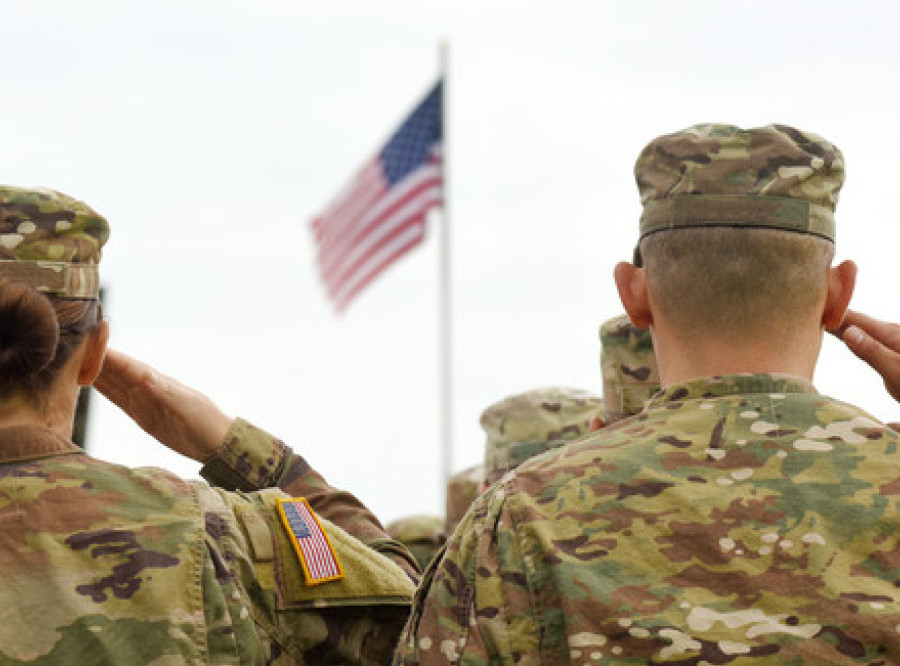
(631, 282)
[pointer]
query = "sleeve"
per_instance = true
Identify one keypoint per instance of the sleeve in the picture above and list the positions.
(252, 459)
(262, 601)
(474, 606)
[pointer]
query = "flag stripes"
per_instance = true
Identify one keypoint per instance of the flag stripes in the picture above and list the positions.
(381, 214)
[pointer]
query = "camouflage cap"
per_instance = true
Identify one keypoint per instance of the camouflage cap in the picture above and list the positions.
(524, 425)
(51, 241)
(423, 535)
(462, 489)
(628, 364)
(721, 175)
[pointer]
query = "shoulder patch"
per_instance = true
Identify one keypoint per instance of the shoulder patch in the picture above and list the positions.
(311, 543)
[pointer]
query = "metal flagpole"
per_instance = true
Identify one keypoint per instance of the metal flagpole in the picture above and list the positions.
(445, 379)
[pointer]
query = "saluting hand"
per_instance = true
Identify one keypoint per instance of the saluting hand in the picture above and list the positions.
(180, 417)
(878, 344)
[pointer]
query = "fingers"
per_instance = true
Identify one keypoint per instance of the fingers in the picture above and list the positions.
(878, 344)
(885, 332)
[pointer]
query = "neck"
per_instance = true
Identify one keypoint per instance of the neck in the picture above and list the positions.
(57, 414)
(711, 355)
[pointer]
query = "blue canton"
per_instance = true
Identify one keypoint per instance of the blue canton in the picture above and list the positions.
(409, 146)
(295, 520)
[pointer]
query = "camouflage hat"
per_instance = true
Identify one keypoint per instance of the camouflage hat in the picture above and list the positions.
(524, 425)
(50, 241)
(628, 364)
(423, 535)
(462, 489)
(721, 175)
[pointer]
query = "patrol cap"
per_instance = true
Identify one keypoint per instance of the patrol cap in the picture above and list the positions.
(628, 365)
(774, 177)
(462, 489)
(422, 534)
(51, 241)
(524, 425)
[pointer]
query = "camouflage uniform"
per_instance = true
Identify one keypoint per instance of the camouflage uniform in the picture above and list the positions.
(103, 564)
(422, 535)
(528, 424)
(738, 520)
(628, 365)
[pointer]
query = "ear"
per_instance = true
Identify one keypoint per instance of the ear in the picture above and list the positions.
(631, 282)
(841, 281)
(94, 354)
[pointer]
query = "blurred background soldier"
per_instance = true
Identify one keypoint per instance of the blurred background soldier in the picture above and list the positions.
(628, 366)
(422, 535)
(462, 489)
(528, 424)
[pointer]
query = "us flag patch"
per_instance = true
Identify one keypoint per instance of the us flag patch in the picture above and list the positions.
(317, 557)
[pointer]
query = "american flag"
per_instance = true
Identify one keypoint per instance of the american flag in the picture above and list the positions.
(320, 564)
(380, 214)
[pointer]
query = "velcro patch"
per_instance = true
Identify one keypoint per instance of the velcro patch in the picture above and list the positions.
(317, 557)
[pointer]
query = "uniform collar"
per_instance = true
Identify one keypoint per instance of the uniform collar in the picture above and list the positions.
(726, 385)
(27, 442)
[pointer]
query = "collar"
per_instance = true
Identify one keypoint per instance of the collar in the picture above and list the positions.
(728, 385)
(27, 442)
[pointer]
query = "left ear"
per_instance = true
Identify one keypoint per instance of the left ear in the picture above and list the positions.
(841, 281)
(94, 354)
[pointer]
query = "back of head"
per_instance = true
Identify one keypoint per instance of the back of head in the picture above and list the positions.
(527, 424)
(50, 245)
(628, 365)
(738, 227)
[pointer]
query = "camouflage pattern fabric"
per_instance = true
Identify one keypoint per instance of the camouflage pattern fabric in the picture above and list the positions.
(50, 241)
(422, 535)
(628, 365)
(462, 489)
(527, 424)
(743, 520)
(102, 564)
(721, 175)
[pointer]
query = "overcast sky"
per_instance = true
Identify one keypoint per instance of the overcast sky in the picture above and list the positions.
(209, 133)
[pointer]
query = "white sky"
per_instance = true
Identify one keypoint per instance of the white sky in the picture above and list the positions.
(209, 133)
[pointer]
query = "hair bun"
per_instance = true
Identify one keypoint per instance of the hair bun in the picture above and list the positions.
(29, 332)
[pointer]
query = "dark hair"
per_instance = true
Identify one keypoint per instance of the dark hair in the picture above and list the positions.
(37, 336)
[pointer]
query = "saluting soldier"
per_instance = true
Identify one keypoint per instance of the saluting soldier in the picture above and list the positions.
(741, 517)
(102, 564)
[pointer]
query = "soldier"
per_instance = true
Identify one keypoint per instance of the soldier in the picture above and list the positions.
(741, 518)
(528, 424)
(628, 366)
(423, 536)
(102, 564)
(462, 489)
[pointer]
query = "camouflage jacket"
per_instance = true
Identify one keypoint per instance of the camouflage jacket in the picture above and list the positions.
(102, 564)
(739, 520)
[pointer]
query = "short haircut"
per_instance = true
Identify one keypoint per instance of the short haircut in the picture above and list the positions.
(747, 284)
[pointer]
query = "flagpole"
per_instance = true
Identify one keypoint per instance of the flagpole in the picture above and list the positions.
(444, 286)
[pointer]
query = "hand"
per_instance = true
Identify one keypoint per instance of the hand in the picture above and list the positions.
(179, 417)
(878, 344)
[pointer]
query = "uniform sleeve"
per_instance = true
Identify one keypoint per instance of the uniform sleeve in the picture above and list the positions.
(474, 606)
(252, 459)
(261, 598)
